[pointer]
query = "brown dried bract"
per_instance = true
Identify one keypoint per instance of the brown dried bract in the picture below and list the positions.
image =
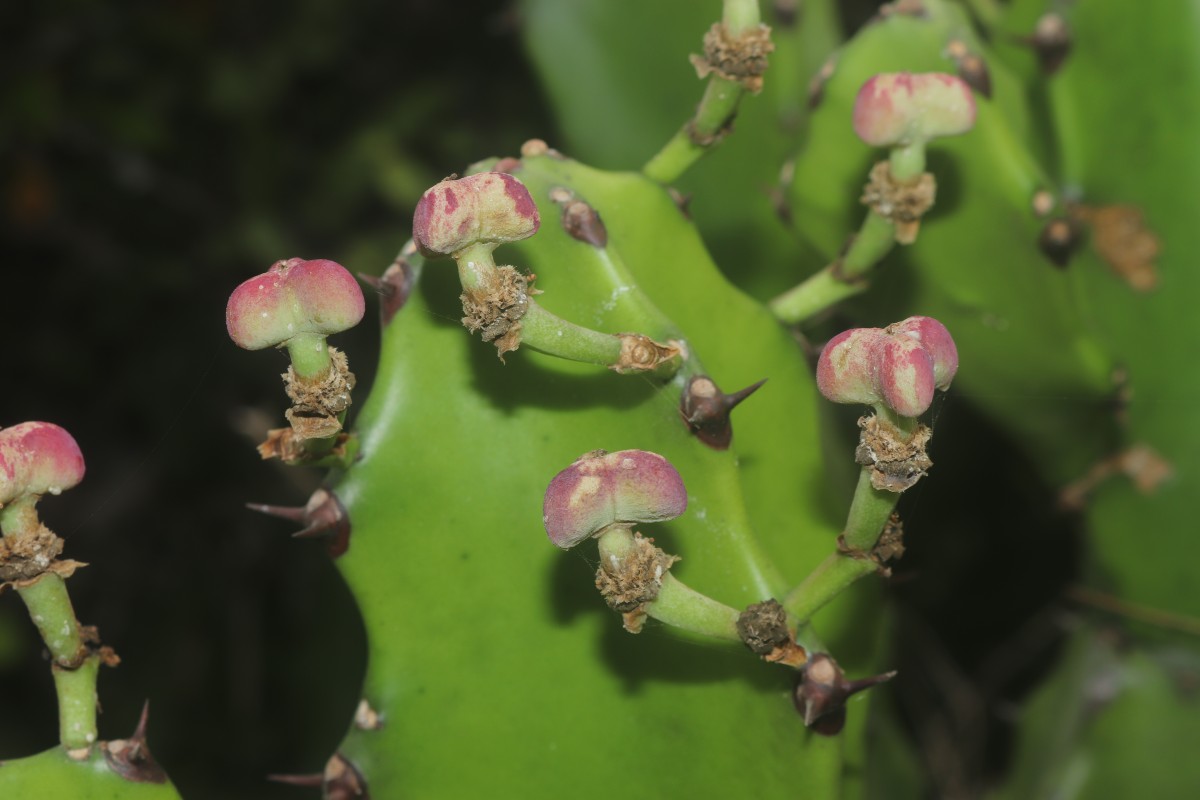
(896, 462)
(1122, 238)
(1140, 463)
(288, 447)
(741, 58)
(317, 403)
(902, 203)
(642, 354)
(629, 583)
(763, 628)
(367, 718)
(889, 547)
(26, 555)
(495, 309)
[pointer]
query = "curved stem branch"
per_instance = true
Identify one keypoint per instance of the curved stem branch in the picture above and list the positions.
(843, 278)
(869, 513)
(716, 111)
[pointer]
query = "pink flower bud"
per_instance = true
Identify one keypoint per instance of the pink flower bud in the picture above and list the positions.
(487, 208)
(604, 489)
(902, 108)
(293, 297)
(904, 374)
(934, 337)
(846, 371)
(37, 458)
(900, 365)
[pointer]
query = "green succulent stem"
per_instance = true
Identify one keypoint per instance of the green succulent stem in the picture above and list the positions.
(545, 331)
(50, 608)
(869, 513)
(549, 333)
(681, 606)
(309, 354)
(76, 690)
(716, 111)
(908, 162)
(476, 264)
(844, 278)
(676, 604)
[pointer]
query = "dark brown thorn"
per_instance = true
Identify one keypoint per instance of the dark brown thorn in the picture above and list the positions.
(131, 758)
(323, 516)
(394, 286)
(290, 513)
(1058, 241)
(682, 201)
(343, 781)
(786, 12)
(705, 410)
(311, 780)
(1050, 41)
(583, 223)
(507, 164)
(970, 66)
(822, 691)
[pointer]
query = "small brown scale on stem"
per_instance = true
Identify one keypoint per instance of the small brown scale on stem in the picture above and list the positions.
(904, 203)
(495, 308)
(970, 66)
(889, 547)
(318, 402)
(763, 628)
(740, 58)
(896, 461)
(628, 583)
(642, 354)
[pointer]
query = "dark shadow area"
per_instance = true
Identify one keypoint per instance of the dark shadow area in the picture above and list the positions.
(152, 157)
(970, 644)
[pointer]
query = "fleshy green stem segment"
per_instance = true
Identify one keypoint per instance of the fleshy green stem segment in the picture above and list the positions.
(682, 607)
(843, 278)
(869, 513)
(50, 608)
(677, 604)
(717, 108)
(309, 354)
(908, 162)
(550, 334)
(545, 331)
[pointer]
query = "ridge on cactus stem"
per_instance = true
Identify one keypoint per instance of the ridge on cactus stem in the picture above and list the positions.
(899, 366)
(903, 108)
(487, 208)
(293, 297)
(37, 458)
(602, 490)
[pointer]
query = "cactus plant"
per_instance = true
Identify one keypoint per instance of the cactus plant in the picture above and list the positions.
(692, 351)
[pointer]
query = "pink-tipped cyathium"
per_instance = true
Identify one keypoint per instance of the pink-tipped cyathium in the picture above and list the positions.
(899, 109)
(899, 366)
(295, 304)
(37, 458)
(602, 490)
(489, 208)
